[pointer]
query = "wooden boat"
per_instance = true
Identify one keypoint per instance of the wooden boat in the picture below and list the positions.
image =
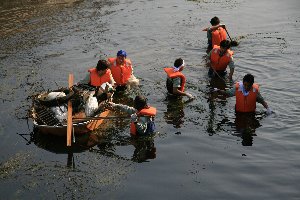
(79, 127)
(45, 121)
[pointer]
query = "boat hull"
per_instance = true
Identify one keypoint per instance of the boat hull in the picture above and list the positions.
(79, 128)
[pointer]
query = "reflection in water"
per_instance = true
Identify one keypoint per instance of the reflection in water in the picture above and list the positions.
(211, 119)
(144, 148)
(246, 124)
(105, 140)
(219, 83)
(175, 113)
(57, 144)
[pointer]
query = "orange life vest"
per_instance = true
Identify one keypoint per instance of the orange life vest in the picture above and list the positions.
(246, 103)
(149, 112)
(170, 72)
(96, 80)
(120, 73)
(219, 63)
(218, 35)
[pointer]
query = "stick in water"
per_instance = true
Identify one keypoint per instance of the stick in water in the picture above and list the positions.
(233, 43)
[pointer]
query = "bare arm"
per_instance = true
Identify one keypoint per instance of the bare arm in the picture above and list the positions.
(226, 93)
(261, 100)
(111, 81)
(231, 67)
(212, 28)
(265, 105)
(231, 73)
(178, 92)
(123, 108)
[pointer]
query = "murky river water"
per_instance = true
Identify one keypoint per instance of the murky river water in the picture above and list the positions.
(203, 149)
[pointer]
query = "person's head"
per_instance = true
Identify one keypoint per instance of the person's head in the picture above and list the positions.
(140, 102)
(102, 66)
(121, 56)
(224, 45)
(214, 21)
(179, 64)
(248, 81)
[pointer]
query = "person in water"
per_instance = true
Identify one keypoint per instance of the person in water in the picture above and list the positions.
(122, 71)
(142, 116)
(216, 33)
(99, 75)
(220, 57)
(247, 93)
(101, 79)
(176, 80)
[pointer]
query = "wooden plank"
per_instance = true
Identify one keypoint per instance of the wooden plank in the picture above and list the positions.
(69, 119)
(96, 123)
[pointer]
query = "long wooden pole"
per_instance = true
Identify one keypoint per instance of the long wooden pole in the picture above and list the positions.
(69, 119)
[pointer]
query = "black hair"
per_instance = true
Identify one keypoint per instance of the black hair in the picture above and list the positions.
(178, 62)
(225, 44)
(215, 21)
(102, 65)
(140, 102)
(249, 78)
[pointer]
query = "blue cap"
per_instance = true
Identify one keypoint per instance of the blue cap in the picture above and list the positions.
(122, 53)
